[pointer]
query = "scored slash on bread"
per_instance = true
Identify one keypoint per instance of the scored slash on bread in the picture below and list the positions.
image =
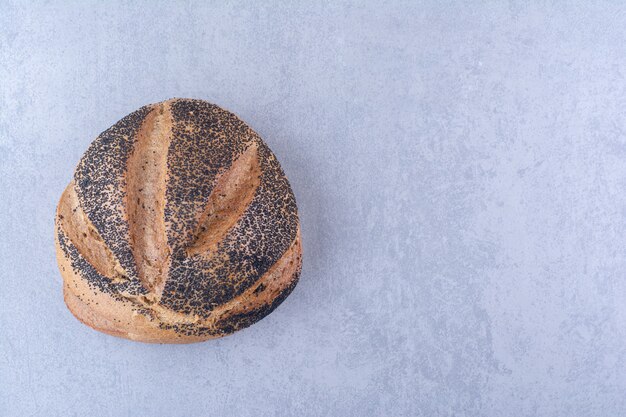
(146, 181)
(179, 226)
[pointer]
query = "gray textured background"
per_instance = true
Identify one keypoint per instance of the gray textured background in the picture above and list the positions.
(461, 182)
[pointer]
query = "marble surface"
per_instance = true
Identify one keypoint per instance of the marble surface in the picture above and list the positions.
(460, 175)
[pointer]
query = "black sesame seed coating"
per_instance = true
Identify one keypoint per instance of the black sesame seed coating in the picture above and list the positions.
(235, 322)
(262, 234)
(80, 265)
(100, 185)
(205, 140)
(241, 321)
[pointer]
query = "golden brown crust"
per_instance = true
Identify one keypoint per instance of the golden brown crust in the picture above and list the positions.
(232, 194)
(179, 227)
(146, 181)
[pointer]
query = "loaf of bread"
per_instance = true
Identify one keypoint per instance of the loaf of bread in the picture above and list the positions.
(178, 226)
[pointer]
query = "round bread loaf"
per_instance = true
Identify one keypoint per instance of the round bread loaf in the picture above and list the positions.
(178, 226)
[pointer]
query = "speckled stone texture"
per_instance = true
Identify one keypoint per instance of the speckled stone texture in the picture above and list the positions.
(460, 173)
